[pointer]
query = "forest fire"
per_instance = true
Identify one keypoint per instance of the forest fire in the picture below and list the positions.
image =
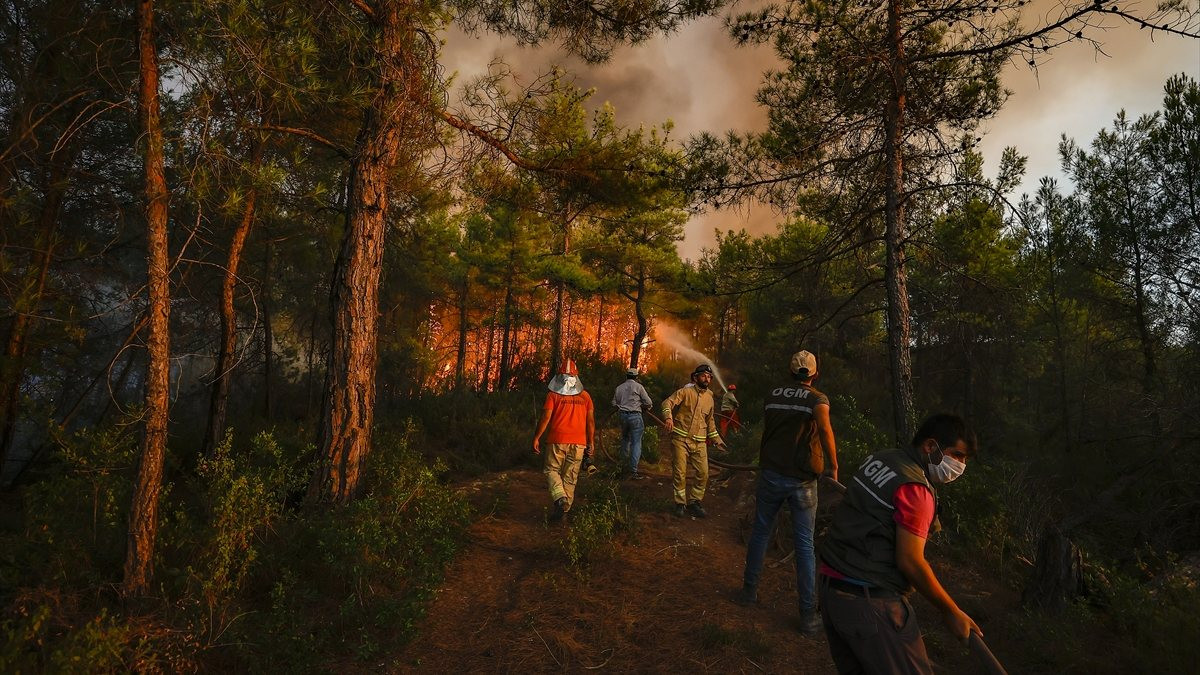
(281, 290)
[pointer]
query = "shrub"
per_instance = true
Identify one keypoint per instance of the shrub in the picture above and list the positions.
(600, 512)
(243, 494)
(75, 518)
(651, 450)
(345, 582)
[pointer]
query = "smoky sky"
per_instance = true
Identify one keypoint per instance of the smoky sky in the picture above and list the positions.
(699, 80)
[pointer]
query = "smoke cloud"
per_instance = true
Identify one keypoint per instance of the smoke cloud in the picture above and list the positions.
(701, 81)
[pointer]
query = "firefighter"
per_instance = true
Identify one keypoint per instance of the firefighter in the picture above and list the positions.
(569, 424)
(688, 416)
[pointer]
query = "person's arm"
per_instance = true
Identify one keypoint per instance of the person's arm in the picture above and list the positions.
(910, 559)
(591, 430)
(668, 404)
(645, 396)
(825, 434)
(541, 429)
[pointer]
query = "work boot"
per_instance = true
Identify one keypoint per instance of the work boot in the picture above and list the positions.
(638, 476)
(746, 597)
(678, 510)
(696, 510)
(811, 624)
(560, 509)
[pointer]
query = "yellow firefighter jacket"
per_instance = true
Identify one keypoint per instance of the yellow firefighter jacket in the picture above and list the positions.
(692, 412)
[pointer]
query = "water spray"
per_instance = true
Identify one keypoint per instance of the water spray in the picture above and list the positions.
(681, 343)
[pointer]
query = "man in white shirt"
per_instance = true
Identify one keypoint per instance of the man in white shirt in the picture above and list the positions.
(629, 399)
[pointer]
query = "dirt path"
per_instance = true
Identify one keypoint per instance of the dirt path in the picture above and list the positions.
(659, 601)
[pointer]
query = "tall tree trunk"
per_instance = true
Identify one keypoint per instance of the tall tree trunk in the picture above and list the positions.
(487, 361)
(1061, 355)
(460, 356)
(143, 516)
(350, 380)
(643, 324)
(1146, 339)
(225, 354)
(12, 368)
(896, 273)
(560, 291)
(506, 333)
(268, 332)
(600, 330)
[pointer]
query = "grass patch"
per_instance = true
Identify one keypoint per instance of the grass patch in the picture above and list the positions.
(713, 637)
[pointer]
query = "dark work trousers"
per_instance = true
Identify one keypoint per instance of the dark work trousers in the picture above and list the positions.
(872, 635)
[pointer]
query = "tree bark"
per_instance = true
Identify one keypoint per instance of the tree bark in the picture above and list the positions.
(143, 516)
(350, 380)
(600, 329)
(560, 290)
(460, 357)
(1145, 338)
(225, 355)
(643, 324)
(506, 331)
(268, 333)
(896, 273)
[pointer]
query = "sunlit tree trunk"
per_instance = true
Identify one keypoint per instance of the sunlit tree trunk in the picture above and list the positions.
(225, 355)
(350, 380)
(143, 516)
(896, 273)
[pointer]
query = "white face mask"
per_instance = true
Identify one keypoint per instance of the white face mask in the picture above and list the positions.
(947, 470)
(569, 381)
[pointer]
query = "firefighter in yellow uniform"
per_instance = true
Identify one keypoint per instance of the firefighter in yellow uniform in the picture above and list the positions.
(689, 416)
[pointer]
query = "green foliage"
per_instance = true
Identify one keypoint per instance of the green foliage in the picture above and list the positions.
(352, 581)
(75, 516)
(599, 514)
(100, 645)
(243, 493)
(855, 433)
(475, 434)
(1159, 619)
(651, 444)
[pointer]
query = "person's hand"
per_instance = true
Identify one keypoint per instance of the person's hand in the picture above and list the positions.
(832, 473)
(669, 425)
(960, 624)
(537, 449)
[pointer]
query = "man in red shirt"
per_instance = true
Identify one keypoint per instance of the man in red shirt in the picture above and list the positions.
(569, 424)
(874, 554)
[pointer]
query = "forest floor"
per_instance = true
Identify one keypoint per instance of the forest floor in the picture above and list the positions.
(657, 600)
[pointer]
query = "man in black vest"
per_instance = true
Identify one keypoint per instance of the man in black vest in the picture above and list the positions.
(874, 553)
(796, 429)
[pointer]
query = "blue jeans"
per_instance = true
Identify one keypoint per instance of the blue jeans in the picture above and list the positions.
(632, 428)
(801, 495)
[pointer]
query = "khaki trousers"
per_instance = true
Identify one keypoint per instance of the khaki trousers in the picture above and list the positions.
(561, 467)
(690, 456)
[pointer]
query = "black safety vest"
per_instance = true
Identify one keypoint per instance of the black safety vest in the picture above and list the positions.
(790, 445)
(861, 542)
